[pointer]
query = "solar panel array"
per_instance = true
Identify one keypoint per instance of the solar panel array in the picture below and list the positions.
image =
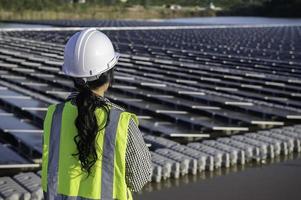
(184, 85)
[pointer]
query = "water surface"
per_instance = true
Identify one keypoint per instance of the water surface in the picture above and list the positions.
(237, 21)
(17, 25)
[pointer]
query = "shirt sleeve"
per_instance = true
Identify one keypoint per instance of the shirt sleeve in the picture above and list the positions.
(138, 159)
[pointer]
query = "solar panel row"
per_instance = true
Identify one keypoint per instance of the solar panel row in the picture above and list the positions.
(182, 89)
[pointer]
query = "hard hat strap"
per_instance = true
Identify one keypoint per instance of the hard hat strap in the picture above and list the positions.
(92, 78)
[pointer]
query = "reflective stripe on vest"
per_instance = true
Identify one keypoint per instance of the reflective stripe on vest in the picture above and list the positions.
(54, 144)
(108, 156)
(107, 177)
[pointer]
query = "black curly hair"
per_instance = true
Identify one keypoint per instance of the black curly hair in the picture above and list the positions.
(86, 123)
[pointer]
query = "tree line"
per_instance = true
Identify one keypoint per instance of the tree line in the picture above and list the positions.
(275, 8)
(267, 8)
(51, 4)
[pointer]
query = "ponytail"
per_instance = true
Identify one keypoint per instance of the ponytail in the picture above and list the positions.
(86, 123)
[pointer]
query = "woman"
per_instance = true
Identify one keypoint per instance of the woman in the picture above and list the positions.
(92, 149)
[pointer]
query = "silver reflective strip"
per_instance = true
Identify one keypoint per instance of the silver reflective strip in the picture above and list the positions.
(53, 156)
(107, 176)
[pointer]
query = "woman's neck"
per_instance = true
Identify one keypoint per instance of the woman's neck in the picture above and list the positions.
(101, 90)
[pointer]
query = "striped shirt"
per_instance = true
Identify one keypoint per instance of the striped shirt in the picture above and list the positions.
(138, 158)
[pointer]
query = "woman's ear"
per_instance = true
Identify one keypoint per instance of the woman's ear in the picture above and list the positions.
(106, 86)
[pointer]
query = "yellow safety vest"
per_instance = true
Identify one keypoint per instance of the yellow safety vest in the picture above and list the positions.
(62, 177)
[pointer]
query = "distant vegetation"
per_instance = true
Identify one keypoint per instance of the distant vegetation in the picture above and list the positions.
(54, 4)
(267, 8)
(142, 9)
(98, 9)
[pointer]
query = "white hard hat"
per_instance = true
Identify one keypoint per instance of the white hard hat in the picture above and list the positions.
(88, 54)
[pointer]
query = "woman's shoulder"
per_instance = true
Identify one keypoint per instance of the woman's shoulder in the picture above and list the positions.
(124, 112)
(115, 106)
